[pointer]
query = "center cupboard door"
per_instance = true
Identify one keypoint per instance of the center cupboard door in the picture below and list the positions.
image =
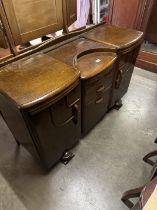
(30, 19)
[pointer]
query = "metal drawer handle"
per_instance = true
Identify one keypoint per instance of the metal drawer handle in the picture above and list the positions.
(99, 100)
(100, 89)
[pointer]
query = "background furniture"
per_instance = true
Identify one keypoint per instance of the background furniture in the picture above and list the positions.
(143, 192)
(139, 15)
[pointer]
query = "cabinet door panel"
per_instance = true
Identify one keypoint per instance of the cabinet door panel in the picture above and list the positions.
(71, 7)
(30, 19)
(125, 13)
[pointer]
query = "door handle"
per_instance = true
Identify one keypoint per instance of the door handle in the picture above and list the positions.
(119, 79)
(99, 100)
(100, 89)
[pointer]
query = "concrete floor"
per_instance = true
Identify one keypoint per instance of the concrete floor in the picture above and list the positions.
(108, 161)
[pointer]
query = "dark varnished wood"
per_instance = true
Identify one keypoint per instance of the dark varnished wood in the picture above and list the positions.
(69, 51)
(37, 79)
(118, 37)
(48, 97)
(96, 65)
(128, 48)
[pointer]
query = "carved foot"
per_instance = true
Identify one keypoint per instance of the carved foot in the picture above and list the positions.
(118, 105)
(131, 194)
(148, 156)
(67, 157)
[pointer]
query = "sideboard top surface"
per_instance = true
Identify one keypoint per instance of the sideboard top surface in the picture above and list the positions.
(91, 57)
(116, 36)
(36, 79)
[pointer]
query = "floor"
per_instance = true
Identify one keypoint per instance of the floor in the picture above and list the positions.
(149, 47)
(108, 161)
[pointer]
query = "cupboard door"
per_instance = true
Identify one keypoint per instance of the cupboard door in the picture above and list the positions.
(30, 19)
(71, 9)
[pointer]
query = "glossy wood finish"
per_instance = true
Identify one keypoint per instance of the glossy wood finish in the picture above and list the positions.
(47, 99)
(34, 79)
(67, 52)
(30, 19)
(128, 49)
(94, 62)
(48, 133)
(96, 65)
(117, 37)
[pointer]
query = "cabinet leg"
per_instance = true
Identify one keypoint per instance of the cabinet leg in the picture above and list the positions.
(148, 156)
(131, 194)
(118, 104)
(156, 140)
(67, 157)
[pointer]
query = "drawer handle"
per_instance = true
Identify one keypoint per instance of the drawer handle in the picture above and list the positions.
(119, 79)
(99, 100)
(100, 89)
(74, 117)
(75, 113)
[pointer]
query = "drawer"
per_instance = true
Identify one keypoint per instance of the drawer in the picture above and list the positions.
(93, 90)
(94, 111)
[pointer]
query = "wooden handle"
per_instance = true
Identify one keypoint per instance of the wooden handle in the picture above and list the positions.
(99, 100)
(120, 77)
(100, 89)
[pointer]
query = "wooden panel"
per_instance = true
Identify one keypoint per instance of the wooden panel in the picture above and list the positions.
(124, 13)
(30, 19)
(151, 32)
(71, 7)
